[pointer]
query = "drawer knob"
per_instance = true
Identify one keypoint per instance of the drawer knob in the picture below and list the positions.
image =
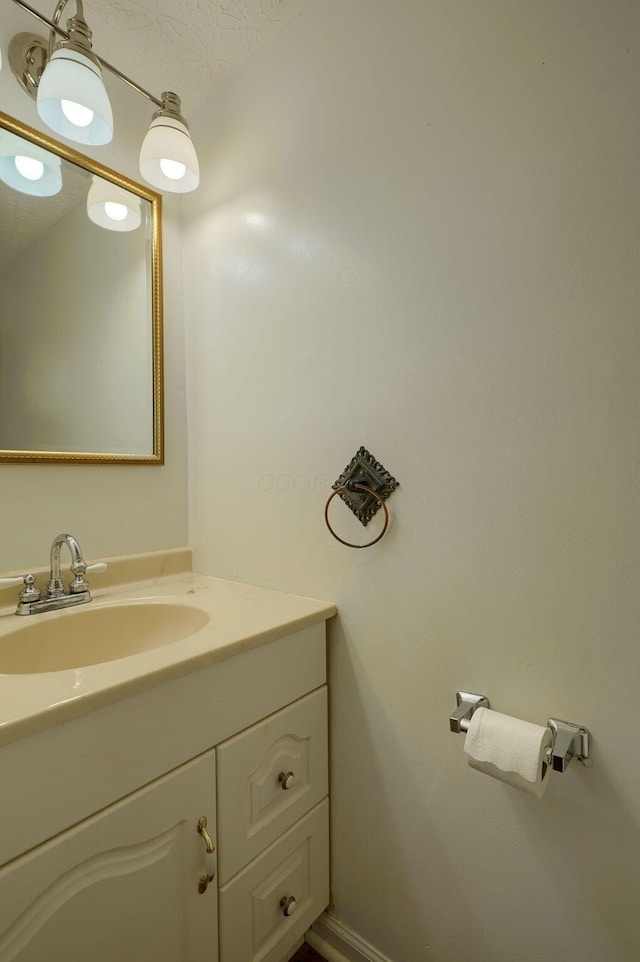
(289, 905)
(287, 780)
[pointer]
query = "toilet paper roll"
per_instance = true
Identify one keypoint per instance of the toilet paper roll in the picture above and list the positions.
(510, 750)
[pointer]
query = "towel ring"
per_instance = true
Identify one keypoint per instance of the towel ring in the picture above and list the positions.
(362, 487)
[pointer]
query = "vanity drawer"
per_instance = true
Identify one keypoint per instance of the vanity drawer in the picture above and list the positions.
(253, 925)
(255, 804)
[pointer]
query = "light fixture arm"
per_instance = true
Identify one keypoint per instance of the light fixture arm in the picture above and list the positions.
(78, 31)
(57, 16)
(55, 28)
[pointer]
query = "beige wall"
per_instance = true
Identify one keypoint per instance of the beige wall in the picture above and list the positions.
(418, 230)
(117, 509)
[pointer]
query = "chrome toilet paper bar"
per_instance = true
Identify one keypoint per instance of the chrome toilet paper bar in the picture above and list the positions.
(467, 704)
(569, 740)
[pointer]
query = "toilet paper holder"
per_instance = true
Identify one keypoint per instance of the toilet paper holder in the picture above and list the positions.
(467, 704)
(569, 740)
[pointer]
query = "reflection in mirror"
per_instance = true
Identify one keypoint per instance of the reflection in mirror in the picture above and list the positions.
(113, 207)
(80, 307)
(28, 168)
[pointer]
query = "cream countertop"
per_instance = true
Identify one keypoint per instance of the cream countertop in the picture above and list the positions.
(241, 617)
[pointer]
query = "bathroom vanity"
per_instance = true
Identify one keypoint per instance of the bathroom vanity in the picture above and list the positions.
(109, 769)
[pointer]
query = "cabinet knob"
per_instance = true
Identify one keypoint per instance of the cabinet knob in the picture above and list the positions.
(287, 780)
(289, 905)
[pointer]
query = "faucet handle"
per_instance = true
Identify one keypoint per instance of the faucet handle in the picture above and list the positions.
(79, 582)
(10, 582)
(28, 593)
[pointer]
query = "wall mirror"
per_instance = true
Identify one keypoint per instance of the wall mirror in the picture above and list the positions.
(80, 307)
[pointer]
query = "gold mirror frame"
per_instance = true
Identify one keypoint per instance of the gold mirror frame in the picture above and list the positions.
(155, 199)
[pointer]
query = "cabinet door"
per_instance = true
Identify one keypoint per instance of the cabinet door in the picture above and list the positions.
(121, 886)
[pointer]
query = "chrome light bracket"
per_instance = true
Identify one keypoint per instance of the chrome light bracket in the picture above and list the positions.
(365, 470)
(28, 56)
(79, 41)
(171, 107)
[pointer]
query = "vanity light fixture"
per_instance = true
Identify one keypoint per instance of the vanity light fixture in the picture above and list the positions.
(66, 81)
(71, 97)
(28, 168)
(167, 157)
(112, 207)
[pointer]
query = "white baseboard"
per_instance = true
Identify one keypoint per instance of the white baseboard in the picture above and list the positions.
(337, 943)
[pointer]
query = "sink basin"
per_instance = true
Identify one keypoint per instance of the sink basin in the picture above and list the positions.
(91, 635)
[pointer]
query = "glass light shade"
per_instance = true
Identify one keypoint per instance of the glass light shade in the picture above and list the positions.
(113, 207)
(166, 146)
(33, 159)
(69, 79)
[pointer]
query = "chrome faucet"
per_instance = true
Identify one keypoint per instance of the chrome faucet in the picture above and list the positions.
(30, 601)
(55, 587)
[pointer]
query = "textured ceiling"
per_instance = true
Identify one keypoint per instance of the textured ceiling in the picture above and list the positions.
(188, 46)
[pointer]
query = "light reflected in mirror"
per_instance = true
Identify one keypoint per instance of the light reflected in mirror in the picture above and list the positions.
(80, 307)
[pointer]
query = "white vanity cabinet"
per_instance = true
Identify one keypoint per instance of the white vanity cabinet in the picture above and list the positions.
(100, 852)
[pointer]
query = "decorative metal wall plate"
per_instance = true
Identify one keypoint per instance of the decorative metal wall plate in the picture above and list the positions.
(364, 469)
